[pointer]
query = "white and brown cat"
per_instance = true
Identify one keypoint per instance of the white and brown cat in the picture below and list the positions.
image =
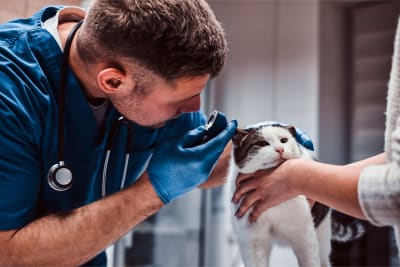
(292, 223)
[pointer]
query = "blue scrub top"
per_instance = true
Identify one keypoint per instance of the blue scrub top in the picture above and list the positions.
(30, 62)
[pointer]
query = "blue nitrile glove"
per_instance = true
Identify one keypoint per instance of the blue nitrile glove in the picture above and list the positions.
(178, 166)
(301, 136)
(303, 139)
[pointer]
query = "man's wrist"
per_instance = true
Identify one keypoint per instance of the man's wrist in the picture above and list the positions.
(151, 196)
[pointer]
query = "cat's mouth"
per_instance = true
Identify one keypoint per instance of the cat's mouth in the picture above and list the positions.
(273, 163)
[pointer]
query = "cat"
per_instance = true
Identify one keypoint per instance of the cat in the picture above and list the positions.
(308, 231)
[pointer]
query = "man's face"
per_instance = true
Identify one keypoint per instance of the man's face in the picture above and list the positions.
(162, 101)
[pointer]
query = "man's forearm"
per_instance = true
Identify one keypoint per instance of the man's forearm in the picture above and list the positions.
(76, 237)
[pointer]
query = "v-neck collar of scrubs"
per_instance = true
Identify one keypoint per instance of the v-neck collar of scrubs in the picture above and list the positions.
(77, 103)
(65, 14)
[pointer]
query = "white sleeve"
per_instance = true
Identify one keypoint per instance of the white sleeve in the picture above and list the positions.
(379, 193)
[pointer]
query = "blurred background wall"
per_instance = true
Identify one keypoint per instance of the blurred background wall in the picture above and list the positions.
(320, 65)
(11, 9)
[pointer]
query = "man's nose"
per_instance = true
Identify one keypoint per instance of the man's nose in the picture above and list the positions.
(191, 105)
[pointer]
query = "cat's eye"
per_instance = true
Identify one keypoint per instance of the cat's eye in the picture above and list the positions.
(262, 143)
(284, 140)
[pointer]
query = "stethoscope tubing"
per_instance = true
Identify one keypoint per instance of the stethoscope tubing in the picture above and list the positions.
(54, 172)
(105, 168)
(63, 81)
(113, 131)
(59, 176)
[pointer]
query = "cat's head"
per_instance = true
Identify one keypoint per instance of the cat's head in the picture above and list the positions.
(264, 147)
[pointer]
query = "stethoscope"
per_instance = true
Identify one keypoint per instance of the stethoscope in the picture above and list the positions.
(59, 176)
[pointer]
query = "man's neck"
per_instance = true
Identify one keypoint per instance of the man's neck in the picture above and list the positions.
(85, 73)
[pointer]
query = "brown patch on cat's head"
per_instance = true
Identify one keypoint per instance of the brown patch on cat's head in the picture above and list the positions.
(242, 142)
(241, 135)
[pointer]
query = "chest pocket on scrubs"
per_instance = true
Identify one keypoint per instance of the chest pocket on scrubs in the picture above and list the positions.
(131, 151)
(140, 149)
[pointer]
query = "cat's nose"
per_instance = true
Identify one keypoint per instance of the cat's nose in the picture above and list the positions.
(279, 150)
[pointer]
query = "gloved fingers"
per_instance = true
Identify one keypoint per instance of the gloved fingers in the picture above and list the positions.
(218, 124)
(219, 141)
(201, 134)
(303, 139)
(193, 137)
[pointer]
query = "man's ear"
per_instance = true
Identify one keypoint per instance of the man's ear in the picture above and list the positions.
(111, 80)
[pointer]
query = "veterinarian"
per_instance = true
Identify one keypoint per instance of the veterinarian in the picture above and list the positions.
(367, 189)
(101, 124)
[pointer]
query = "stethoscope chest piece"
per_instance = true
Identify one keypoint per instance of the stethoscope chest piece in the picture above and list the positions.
(59, 177)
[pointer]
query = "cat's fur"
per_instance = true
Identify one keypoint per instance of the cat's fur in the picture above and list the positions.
(292, 223)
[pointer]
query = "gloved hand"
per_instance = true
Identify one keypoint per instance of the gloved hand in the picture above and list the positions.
(303, 139)
(301, 136)
(178, 166)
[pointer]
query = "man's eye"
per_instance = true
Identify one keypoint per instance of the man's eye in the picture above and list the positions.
(284, 140)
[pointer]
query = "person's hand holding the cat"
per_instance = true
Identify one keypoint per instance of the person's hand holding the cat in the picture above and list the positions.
(263, 189)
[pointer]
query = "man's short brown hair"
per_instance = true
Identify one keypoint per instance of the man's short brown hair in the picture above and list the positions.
(172, 38)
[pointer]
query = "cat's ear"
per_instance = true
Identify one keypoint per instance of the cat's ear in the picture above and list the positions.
(292, 130)
(239, 136)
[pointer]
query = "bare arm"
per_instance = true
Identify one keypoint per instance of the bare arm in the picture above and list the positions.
(333, 185)
(77, 237)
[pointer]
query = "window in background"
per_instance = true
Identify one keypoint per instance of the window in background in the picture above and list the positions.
(371, 38)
